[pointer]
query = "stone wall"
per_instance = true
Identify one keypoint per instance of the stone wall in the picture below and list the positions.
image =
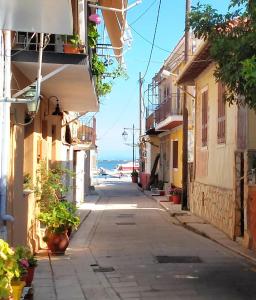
(215, 205)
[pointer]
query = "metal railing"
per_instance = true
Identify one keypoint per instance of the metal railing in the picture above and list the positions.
(170, 106)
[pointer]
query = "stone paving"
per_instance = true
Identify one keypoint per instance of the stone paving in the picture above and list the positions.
(114, 253)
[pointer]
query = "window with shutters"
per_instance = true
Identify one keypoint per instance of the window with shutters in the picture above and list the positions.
(221, 134)
(175, 148)
(204, 118)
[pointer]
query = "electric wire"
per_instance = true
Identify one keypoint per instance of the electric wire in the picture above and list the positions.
(148, 41)
(154, 37)
(146, 10)
(119, 117)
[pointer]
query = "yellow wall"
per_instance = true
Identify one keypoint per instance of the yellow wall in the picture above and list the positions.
(214, 163)
(176, 134)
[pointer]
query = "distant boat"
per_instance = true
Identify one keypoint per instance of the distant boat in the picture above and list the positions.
(128, 167)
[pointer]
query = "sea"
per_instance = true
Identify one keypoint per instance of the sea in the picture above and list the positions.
(110, 164)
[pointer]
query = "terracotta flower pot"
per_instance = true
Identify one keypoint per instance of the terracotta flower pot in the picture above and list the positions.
(69, 48)
(176, 199)
(57, 242)
(170, 198)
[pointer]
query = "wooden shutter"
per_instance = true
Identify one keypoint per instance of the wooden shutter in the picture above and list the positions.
(204, 118)
(44, 129)
(221, 134)
(175, 149)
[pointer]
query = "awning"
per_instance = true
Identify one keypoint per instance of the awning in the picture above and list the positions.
(48, 16)
(200, 61)
(115, 23)
(71, 83)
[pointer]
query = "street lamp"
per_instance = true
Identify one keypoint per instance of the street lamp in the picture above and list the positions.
(125, 136)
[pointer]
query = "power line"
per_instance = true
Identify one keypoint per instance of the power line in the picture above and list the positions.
(153, 43)
(147, 9)
(146, 40)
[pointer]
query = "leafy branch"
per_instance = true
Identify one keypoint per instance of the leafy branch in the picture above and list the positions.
(232, 37)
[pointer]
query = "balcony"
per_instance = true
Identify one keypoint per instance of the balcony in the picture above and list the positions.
(86, 134)
(168, 113)
(64, 75)
(150, 122)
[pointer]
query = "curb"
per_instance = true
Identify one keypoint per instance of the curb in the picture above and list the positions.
(203, 234)
(84, 218)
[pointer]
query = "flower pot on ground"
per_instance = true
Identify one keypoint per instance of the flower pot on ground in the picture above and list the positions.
(170, 198)
(176, 199)
(161, 192)
(134, 176)
(134, 179)
(176, 195)
(27, 261)
(58, 218)
(9, 269)
(17, 288)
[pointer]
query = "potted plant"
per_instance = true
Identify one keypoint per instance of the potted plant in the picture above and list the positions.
(134, 176)
(49, 185)
(176, 195)
(27, 259)
(74, 45)
(9, 270)
(58, 219)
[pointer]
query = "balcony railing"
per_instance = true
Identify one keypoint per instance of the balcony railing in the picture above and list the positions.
(171, 106)
(55, 43)
(150, 121)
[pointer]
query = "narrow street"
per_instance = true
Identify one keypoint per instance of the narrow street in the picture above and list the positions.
(130, 248)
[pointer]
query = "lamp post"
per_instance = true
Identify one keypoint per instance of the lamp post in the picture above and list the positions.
(125, 136)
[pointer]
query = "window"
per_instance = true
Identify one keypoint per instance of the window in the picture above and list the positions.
(204, 118)
(221, 134)
(175, 148)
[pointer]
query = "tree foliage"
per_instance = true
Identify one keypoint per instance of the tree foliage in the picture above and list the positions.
(232, 37)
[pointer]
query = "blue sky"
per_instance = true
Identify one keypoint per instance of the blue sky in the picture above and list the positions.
(121, 108)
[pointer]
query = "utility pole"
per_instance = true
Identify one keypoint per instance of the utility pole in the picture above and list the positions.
(140, 108)
(133, 146)
(184, 202)
(140, 120)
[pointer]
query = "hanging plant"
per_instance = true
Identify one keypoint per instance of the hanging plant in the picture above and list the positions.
(93, 35)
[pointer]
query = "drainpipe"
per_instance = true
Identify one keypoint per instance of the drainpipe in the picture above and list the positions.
(5, 132)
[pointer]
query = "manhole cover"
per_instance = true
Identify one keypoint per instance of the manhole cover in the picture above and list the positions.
(104, 270)
(178, 259)
(127, 223)
(125, 216)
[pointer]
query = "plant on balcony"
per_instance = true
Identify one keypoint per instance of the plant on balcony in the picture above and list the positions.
(74, 44)
(101, 70)
(93, 35)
